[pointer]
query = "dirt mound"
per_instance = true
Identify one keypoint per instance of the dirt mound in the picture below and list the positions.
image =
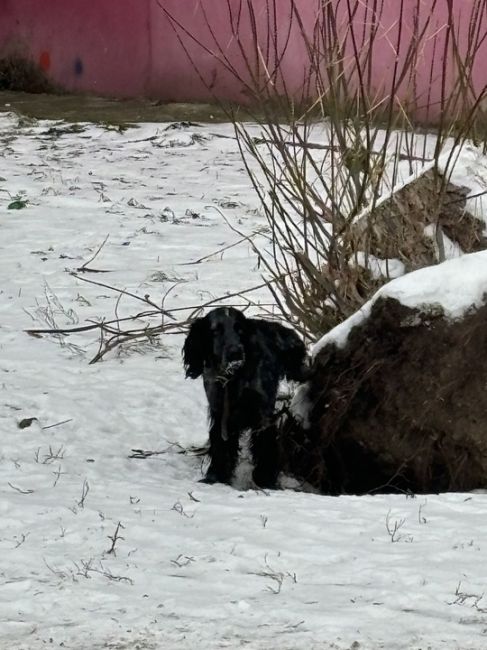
(402, 407)
(425, 221)
(405, 225)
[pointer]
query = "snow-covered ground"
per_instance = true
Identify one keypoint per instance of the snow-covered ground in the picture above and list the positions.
(194, 565)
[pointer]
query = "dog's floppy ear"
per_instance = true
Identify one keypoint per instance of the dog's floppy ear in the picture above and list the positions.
(291, 352)
(195, 349)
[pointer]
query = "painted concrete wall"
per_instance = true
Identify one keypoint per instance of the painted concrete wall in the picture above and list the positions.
(100, 47)
(182, 49)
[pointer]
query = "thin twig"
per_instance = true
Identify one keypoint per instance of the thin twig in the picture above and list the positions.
(57, 424)
(84, 267)
(84, 493)
(122, 291)
(219, 251)
(17, 489)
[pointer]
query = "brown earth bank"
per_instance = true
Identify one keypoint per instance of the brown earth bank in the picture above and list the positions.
(396, 227)
(402, 407)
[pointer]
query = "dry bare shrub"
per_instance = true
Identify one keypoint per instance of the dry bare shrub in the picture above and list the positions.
(328, 150)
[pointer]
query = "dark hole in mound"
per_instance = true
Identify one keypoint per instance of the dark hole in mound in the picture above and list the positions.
(20, 74)
(401, 408)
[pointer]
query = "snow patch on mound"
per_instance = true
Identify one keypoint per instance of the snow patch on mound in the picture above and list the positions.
(455, 285)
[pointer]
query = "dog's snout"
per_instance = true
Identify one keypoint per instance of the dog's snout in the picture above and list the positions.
(234, 354)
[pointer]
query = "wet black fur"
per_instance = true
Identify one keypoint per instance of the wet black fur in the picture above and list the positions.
(242, 361)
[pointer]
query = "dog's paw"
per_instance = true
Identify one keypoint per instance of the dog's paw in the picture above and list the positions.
(215, 477)
(209, 480)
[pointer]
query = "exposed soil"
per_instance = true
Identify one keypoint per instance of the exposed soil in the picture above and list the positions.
(396, 227)
(25, 89)
(87, 108)
(403, 407)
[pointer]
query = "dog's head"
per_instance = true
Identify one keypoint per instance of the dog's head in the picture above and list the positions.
(216, 341)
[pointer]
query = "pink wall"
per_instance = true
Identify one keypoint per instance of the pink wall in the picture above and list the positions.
(440, 24)
(99, 47)
(127, 48)
(196, 35)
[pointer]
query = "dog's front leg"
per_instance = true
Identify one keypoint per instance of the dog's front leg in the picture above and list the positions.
(265, 452)
(223, 451)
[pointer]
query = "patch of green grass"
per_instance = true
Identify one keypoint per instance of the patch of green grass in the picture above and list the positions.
(18, 203)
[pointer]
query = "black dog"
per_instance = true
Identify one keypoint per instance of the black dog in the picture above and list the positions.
(242, 360)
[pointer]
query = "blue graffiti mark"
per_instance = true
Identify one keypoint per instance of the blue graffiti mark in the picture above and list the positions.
(78, 66)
